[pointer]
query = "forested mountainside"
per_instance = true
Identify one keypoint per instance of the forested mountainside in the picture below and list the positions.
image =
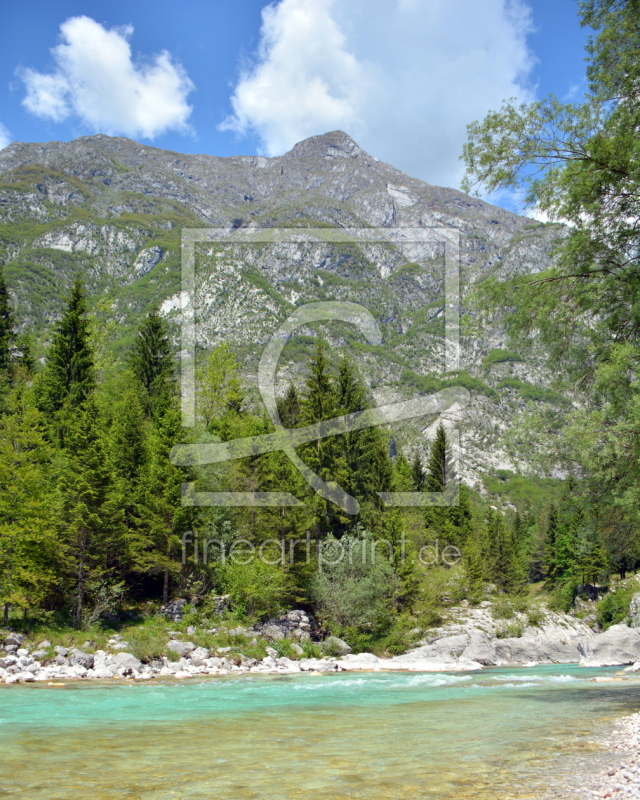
(112, 210)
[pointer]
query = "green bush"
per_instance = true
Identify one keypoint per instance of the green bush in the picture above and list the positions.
(357, 591)
(564, 596)
(536, 616)
(503, 608)
(614, 606)
(499, 356)
(257, 589)
(512, 630)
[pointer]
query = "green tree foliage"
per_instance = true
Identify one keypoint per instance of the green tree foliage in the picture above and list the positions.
(220, 394)
(357, 586)
(91, 520)
(581, 164)
(151, 360)
(7, 330)
(29, 548)
(68, 378)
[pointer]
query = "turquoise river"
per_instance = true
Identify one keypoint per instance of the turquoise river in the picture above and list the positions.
(499, 734)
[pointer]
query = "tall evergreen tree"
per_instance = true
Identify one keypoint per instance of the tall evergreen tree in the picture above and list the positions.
(68, 378)
(289, 407)
(29, 548)
(438, 466)
(151, 360)
(7, 329)
(418, 473)
(159, 549)
(91, 519)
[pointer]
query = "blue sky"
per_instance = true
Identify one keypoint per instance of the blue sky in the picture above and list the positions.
(403, 77)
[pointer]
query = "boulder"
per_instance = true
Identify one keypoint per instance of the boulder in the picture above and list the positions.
(274, 631)
(318, 665)
(44, 644)
(14, 639)
(174, 610)
(60, 651)
(359, 661)
(78, 657)
(297, 649)
(199, 656)
(127, 661)
(336, 646)
(618, 646)
(180, 648)
(219, 603)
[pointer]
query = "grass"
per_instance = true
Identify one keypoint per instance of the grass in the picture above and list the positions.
(499, 356)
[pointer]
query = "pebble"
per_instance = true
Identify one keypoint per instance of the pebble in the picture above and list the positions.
(623, 780)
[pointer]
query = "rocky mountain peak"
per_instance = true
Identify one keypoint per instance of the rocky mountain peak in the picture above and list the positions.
(336, 144)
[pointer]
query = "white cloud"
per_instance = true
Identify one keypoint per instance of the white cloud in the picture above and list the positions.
(97, 81)
(5, 137)
(403, 78)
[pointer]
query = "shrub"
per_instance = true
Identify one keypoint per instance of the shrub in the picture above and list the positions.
(499, 356)
(614, 606)
(257, 589)
(503, 608)
(357, 591)
(536, 616)
(512, 630)
(564, 596)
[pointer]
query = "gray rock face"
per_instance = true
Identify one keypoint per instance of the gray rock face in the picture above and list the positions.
(181, 648)
(131, 194)
(634, 611)
(617, 646)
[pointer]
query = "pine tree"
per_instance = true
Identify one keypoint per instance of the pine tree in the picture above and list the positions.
(550, 543)
(151, 360)
(68, 378)
(319, 403)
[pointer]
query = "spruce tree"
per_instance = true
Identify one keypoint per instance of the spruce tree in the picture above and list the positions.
(7, 329)
(91, 519)
(418, 473)
(550, 543)
(289, 407)
(166, 519)
(438, 467)
(68, 378)
(29, 548)
(151, 361)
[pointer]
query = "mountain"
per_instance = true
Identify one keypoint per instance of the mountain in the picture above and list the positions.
(113, 210)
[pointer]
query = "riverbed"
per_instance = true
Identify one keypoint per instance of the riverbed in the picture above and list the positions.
(500, 733)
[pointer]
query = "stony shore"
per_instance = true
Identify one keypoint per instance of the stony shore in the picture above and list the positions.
(621, 780)
(471, 640)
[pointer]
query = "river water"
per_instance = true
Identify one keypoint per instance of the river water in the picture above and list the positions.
(500, 733)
